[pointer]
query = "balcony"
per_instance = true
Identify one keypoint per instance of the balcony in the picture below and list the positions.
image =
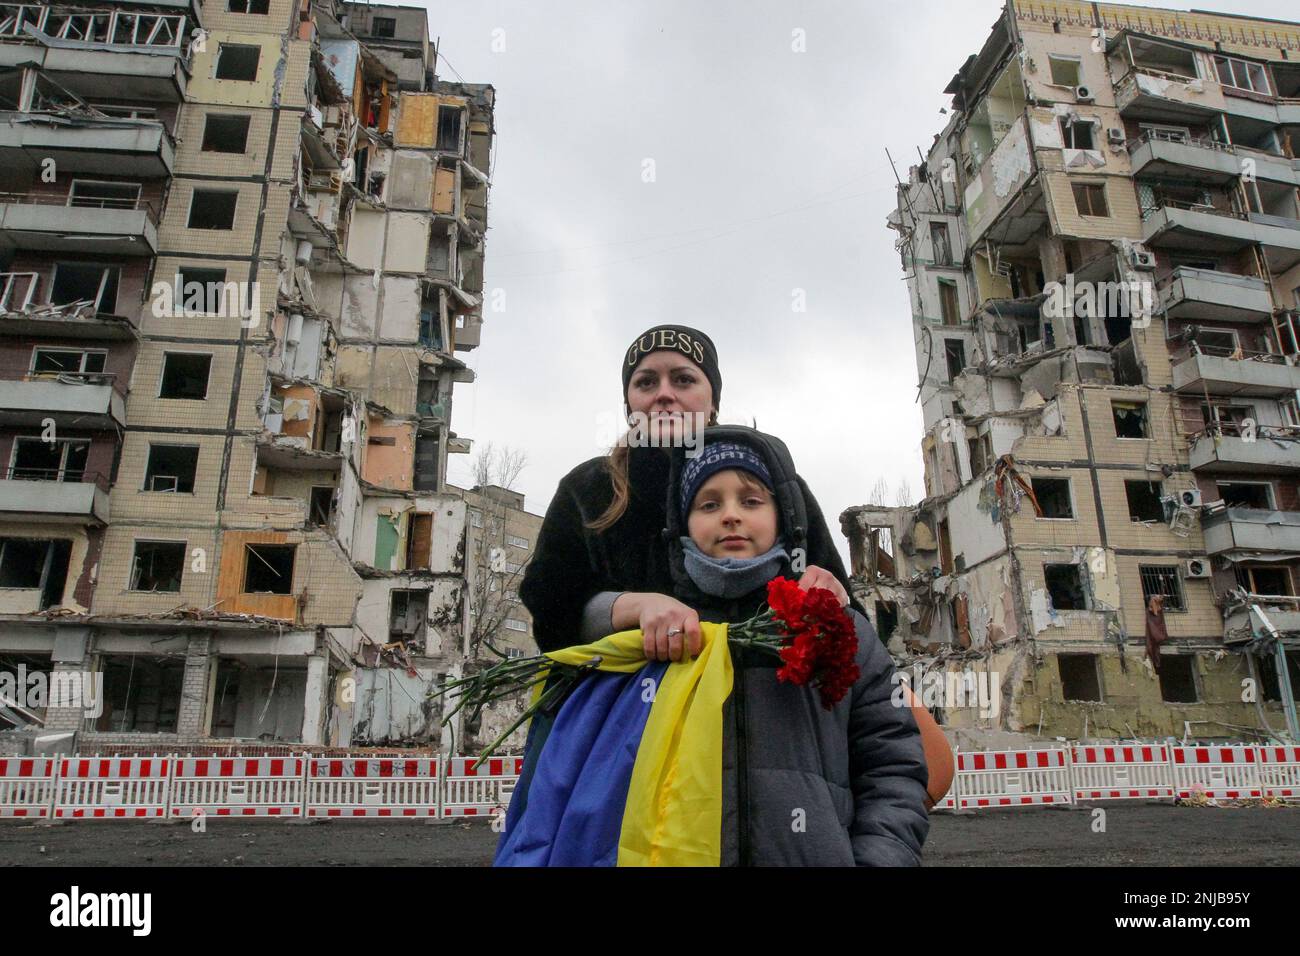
(123, 147)
(1166, 97)
(1281, 610)
(1204, 295)
(1203, 160)
(1204, 229)
(91, 227)
(468, 331)
(41, 496)
(1260, 374)
(126, 54)
(74, 400)
(1248, 529)
(23, 314)
(1271, 451)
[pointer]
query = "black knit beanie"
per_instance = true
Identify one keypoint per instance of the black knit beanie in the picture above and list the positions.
(690, 342)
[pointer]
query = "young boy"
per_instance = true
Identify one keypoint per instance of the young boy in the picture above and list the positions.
(802, 785)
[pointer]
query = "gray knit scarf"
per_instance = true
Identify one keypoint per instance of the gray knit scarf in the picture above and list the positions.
(731, 577)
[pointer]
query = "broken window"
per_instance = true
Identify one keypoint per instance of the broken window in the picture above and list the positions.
(954, 353)
(383, 27)
(1242, 75)
(1130, 419)
(949, 303)
(426, 462)
(945, 548)
(430, 329)
(1268, 675)
(1216, 341)
(1053, 496)
(407, 613)
(29, 563)
(1065, 587)
(38, 460)
(171, 468)
(1144, 501)
(224, 133)
(1079, 135)
(185, 375)
(213, 209)
(419, 542)
(203, 291)
(157, 566)
(940, 248)
(1147, 54)
(1246, 494)
(82, 282)
(448, 127)
(68, 361)
(1065, 70)
(1079, 680)
(101, 195)
(1090, 199)
(237, 61)
(322, 506)
(249, 6)
(1264, 580)
(1178, 679)
(1119, 328)
(1081, 325)
(1162, 579)
(981, 453)
(268, 568)
(142, 694)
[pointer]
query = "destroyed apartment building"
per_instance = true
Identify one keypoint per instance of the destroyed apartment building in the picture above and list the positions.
(1102, 251)
(241, 266)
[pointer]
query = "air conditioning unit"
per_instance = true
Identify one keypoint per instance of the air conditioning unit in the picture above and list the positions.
(1115, 135)
(1191, 498)
(1083, 94)
(1197, 568)
(1142, 258)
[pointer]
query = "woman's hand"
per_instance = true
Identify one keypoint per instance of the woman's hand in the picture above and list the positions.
(816, 577)
(657, 615)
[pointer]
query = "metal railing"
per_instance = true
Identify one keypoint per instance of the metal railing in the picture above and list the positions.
(67, 475)
(80, 202)
(155, 30)
(1179, 138)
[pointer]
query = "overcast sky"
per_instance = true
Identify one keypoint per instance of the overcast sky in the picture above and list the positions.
(770, 176)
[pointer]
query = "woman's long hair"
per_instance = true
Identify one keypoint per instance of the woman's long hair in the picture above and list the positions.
(616, 465)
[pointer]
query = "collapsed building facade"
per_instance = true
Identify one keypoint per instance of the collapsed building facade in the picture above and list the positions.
(241, 265)
(1102, 252)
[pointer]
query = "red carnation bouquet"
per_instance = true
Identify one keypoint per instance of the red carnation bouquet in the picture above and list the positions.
(812, 634)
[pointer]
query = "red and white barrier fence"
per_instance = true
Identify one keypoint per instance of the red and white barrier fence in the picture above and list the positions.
(112, 787)
(27, 787)
(1012, 778)
(374, 787)
(1223, 773)
(1122, 772)
(238, 786)
(468, 793)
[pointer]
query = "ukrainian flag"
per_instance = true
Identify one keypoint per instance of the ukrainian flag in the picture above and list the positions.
(630, 773)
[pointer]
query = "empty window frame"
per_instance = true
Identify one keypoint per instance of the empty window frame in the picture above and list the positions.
(68, 361)
(249, 6)
(1243, 75)
(322, 506)
(1130, 419)
(268, 568)
(171, 468)
(1162, 579)
(449, 127)
(1080, 135)
(1222, 342)
(949, 302)
(185, 375)
(1144, 500)
(35, 459)
(1090, 199)
(954, 354)
(1262, 579)
(1065, 587)
(142, 694)
(408, 613)
(1268, 675)
(1065, 70)
(383, 27)
(103, 195)
(157, 566)
(1153, 56)
(940, 248)
(31, 564)
(1053, 496)
(1227, 418)
(1178, 679)
(225, 133)
(1247, 494)
(84, 282)
(1079, 679)
(212, 209)
(237, 61)
(203, 291)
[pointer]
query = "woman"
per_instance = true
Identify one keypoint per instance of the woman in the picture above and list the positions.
(601, 563)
